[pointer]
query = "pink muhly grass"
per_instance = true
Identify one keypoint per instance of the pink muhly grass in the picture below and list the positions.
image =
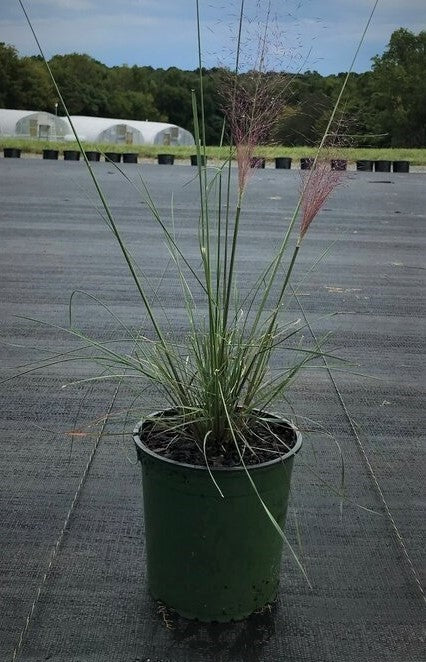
(252, 104)
(254, 100)
(317, 186)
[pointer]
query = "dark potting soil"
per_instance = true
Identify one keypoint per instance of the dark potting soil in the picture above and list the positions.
(261, 442)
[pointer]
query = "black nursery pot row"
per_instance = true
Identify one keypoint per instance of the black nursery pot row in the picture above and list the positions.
(335, 164)
(169, 159)
(281, 162)
(364, 165)
(74, 155)
(284, 162)
(113, 157)
(383, 166)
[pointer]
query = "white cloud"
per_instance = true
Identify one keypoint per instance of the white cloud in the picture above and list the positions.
(162, 34)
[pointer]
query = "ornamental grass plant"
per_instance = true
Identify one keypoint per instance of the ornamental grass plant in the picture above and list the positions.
(217, 384)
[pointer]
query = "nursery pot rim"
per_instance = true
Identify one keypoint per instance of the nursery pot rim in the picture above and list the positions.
(252, 467)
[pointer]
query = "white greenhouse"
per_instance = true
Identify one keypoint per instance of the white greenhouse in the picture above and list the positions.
(32, 124)
(128, 132)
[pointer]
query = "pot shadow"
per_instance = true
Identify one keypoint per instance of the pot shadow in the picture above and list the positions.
(241, 641)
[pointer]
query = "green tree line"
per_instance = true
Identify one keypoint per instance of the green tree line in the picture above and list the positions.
(383, 107)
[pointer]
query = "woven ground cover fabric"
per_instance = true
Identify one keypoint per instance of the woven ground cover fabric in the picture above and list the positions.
(365, 604)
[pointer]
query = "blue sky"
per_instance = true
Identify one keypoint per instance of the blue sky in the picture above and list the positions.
(306, 34)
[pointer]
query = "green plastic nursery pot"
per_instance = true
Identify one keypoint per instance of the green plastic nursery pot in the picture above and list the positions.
(212, 558)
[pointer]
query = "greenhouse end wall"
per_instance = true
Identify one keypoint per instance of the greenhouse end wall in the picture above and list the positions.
(31, 124)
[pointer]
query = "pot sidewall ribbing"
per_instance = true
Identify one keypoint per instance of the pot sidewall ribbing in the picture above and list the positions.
(208, 557)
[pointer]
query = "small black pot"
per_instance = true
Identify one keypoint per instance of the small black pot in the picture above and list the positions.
(306, 163)
(365, 165)
(93, 156)
(115, 157)
(283, 162)
(167, 159)
(50, 154)
(130, 157)
(71, 155)
(382, 166)
(339, 164)
(11, 153)
(257, 162)
(401, 166)
(194, 160)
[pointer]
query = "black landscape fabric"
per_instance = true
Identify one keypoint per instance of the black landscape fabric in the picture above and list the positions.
(365, 604)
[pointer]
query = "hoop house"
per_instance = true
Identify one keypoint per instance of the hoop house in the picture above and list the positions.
(105, 130)
(129, 132)
(159, 133)
(32, 124)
